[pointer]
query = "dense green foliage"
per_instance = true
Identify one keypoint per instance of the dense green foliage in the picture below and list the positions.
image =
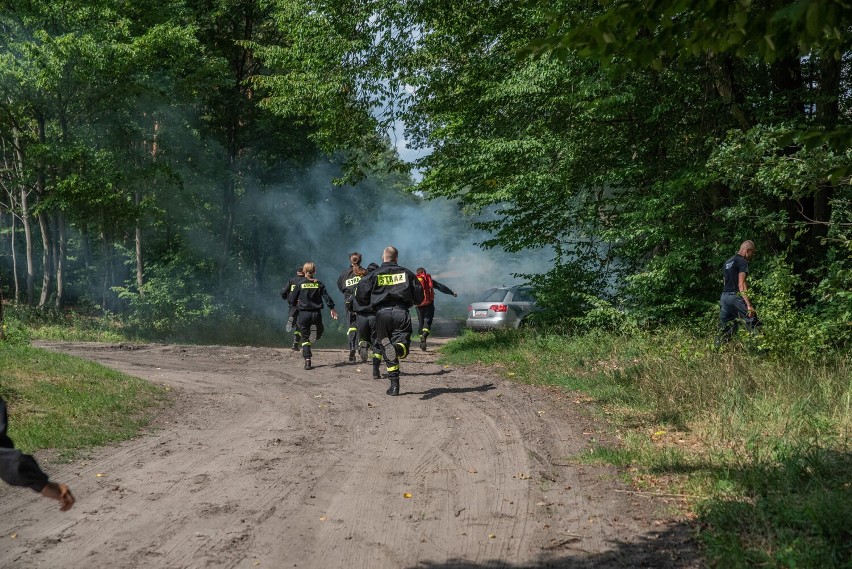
(639, 141)
(644, 143)
(758, 445)
(150, 168)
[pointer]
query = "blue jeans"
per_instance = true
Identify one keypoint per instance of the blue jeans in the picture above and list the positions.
(732, 310)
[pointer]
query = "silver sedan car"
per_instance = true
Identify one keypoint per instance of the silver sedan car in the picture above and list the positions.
(501, 307)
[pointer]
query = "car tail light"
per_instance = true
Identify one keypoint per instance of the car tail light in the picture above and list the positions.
(470, 308)
(498, 308)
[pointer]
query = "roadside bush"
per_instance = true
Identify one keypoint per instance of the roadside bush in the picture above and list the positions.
(68, 325)
(15, 333)
(787, 330)
(171, 300)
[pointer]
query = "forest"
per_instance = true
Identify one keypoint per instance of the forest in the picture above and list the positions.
(165, 165)
(169, 162)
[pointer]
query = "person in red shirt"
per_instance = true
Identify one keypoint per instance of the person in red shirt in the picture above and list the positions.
(426, 310)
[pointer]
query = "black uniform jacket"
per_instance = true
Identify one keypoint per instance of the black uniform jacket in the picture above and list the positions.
(289, 287)
(357, 307)
(309, 294)
(17, 468)
(389, 285)
(346, 282)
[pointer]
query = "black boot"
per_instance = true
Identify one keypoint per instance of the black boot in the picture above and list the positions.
(377, 374)
(363, 351)
(295, 343)
(351, 356)
(307, 364)
(394, 387)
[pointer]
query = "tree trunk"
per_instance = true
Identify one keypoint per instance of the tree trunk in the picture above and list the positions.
(46, 259)
(15, 258)
(25, 219)
(723, 78)
(2, 332)
(243, 66)
(259, 259)
(787, 86)
(788, 91)
(44, 224)
(828, 113)
(228, 206)
(28, 238)
(137, 201)
(61, 260)
(108, 275)
(86, 248)
(140, 274)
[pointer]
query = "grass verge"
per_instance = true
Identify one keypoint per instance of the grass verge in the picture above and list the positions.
(758, 444)
(65, 403)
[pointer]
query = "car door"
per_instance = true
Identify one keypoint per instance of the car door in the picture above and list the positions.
(522, 302)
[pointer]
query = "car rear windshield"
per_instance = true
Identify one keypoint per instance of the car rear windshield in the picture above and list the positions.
(493, 295)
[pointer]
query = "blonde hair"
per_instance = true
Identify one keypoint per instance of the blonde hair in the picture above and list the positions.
(309, 269)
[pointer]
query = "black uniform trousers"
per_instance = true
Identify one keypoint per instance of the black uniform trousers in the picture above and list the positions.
(366, 325)
(393, 336)
(352, 331)
(425, 315)
(17, 468)
(309, 324)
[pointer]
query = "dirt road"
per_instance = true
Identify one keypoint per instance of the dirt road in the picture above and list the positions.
(260, 463)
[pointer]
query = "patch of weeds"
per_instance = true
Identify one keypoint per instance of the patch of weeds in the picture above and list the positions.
(757, 444)
(62, 402)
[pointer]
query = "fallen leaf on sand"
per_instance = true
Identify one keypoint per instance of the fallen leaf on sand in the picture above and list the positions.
(491, 536)
(659, 433)
(323, 518)
(14, 536)
(472, 471)
(407, 495)
(100, 475)
(522, 476)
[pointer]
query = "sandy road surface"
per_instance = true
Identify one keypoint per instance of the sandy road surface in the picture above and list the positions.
(263, 464)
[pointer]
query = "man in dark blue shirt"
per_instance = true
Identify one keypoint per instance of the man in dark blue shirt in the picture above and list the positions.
(734, 303)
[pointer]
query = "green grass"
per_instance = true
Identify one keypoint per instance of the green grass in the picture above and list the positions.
(62, 402)
(24, 323)
(759, 444)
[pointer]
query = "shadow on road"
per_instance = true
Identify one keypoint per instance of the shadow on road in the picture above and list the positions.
(439, 372)
(669, 548)
(436, 391)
